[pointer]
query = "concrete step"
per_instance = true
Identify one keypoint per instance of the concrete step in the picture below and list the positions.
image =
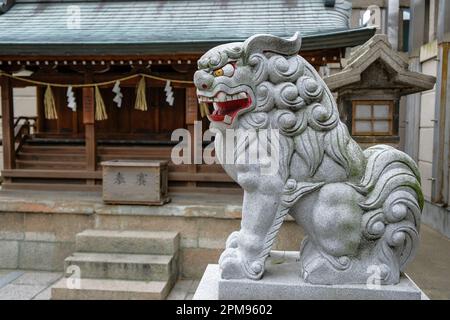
(124, 266)
(124, 241)
(106, 289)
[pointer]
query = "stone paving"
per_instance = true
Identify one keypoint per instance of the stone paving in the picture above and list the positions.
(183, 290)
(26, 285)
(36, 285)
(430, 270)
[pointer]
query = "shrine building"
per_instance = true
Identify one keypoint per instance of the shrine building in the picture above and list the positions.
(82, 50)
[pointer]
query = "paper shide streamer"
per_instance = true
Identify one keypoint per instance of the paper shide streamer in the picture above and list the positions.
(71, 102)
(100, 110)
(118, 97)
(169, 93)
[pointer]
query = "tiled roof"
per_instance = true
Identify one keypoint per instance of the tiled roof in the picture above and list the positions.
(165, 23)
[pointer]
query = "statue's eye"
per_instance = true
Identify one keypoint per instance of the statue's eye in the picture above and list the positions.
(218, 72)
(227, 71)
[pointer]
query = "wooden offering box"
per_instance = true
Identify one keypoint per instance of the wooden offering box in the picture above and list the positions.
(135, 182)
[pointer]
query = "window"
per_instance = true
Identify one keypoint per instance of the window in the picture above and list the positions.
(372, 118)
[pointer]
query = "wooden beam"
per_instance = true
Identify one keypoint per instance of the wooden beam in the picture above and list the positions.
(126, 58)
(51, 186)
(81, 174)
(52, 174)
(9, 155)
(201, 177)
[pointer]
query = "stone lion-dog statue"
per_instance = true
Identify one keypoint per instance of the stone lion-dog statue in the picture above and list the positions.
(359, 208)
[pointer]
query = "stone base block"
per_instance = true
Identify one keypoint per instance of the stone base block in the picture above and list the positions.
(282, 282)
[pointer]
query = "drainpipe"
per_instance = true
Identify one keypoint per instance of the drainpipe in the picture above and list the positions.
(441, 139)
(416, 39)
(393, 21)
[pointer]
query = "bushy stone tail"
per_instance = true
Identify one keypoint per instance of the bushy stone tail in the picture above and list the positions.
(392, 207)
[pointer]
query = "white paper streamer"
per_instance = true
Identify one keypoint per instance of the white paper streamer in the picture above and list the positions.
(118, 98)
(169, 93)
(71, 103)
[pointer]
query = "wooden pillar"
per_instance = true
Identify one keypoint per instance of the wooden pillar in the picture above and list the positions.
(40, 111)
(191, 117)
(89, 127)
(9, 153)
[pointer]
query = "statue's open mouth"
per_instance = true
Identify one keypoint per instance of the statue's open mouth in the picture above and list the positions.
(226, 106)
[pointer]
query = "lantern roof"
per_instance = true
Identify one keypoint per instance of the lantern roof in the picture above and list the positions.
(375, 65)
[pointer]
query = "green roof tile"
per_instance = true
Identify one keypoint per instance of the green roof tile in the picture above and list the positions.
(170, 24)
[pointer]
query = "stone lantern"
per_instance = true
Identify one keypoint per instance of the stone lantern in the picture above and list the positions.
(369, 89)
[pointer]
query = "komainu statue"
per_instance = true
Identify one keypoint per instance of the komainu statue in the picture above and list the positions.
(359, 208)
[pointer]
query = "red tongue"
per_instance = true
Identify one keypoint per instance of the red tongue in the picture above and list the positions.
(230, 108)
(233, 104)
(216, 117)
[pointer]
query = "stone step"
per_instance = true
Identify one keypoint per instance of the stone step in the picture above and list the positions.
(124, 266)
(124, 241)
(107, 289)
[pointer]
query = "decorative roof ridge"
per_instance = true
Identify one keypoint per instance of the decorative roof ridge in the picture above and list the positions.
(378, 49)
(378, 52)
(372, 42)
(5, 5)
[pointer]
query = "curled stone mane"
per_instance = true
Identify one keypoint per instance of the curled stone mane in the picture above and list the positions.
(291, 97)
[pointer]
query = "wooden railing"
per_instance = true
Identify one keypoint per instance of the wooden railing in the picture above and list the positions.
(23, 128)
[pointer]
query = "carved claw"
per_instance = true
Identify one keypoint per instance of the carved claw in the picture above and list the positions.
(228, 253)
(231, 265)
(234, 267)
(312, 266)
(232, 241)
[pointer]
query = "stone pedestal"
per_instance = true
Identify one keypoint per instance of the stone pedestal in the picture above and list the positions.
(281, 281)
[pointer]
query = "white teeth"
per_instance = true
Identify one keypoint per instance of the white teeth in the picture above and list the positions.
(221, 96)
(242, 95)
(216, 107)
(227, 119)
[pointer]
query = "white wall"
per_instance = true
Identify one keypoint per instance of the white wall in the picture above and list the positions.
(427, 109)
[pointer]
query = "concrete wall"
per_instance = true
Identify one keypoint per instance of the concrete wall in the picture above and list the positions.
(430, 32)
(39, 234)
